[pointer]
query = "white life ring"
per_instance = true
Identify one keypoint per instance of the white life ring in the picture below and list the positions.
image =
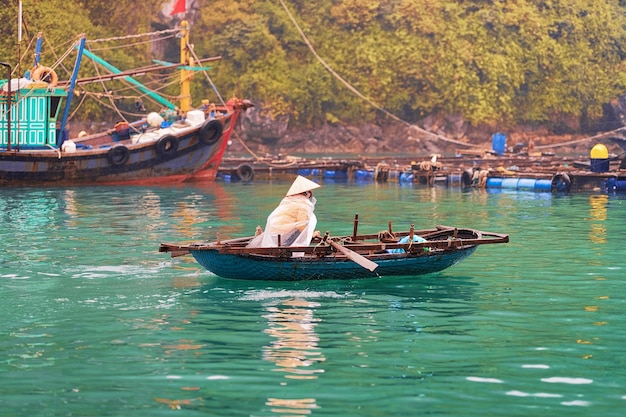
(45, 74)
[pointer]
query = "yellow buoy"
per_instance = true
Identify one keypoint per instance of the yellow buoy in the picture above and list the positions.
(599, 151)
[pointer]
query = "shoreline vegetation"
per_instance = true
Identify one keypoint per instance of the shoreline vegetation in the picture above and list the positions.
(356, 74)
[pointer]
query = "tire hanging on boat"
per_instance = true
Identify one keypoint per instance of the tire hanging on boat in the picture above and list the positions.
(45, 74)
(210, 132)
(245, 172)
(118, 155)
(167, 145)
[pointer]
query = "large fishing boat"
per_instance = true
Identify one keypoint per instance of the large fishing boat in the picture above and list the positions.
(387, 253)
(177, 144)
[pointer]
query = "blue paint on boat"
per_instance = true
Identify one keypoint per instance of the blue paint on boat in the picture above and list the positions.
(267, 268)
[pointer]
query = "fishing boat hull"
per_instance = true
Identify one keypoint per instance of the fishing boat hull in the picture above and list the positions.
(259, 267)
(167, 155)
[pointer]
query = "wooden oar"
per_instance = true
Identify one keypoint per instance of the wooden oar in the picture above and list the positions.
(355, 257)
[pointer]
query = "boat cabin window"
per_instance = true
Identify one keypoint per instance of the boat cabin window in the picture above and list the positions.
(54, 106)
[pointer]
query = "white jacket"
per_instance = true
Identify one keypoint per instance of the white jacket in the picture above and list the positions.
(293, 219)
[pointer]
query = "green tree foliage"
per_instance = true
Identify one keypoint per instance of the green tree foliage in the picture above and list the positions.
(40, 16)
(488, 61)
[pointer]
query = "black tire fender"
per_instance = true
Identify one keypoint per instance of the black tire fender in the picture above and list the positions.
(118, 155)
(561, 182)
(245, 172)
(167, 145)
(466, 178)
(210, 132)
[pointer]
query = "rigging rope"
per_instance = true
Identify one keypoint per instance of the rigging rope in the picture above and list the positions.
(132, 44)
(357, 92)
(138, 35)
(573, 142)
(108, 95)
(24, 55)
(371, 102)
(193, 54)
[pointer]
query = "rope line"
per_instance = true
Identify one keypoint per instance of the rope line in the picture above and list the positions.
(206, 74)
(257, 157)
(133, 36)
(357, 92)
(378, 107)
(132, 44)
(111, 100)
(572, 142)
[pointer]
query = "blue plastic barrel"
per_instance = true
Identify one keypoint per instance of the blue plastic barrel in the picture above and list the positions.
(498, 143)
(494, 182)
(620, 185)
(332, 173)
(454, 179)
(510, 183)
(304, 172)
(543, 185)
(610, 184)
(406, 177)
(526, 184)
(363, 174)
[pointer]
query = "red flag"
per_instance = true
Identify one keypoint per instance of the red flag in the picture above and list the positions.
(179, 7)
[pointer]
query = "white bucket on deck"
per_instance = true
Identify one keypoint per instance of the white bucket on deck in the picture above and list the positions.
(195, 117)
(68, 147)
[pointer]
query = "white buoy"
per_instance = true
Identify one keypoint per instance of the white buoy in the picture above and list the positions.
(154, 119)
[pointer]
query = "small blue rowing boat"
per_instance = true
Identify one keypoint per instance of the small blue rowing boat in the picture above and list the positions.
(412, 253)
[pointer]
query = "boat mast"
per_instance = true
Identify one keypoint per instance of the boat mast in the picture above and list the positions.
(38, 49)
(19, 40)
(70, 93)
(185, 59)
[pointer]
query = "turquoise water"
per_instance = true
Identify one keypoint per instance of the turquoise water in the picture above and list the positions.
(96, 322)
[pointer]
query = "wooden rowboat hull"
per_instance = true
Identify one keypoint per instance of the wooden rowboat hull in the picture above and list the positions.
(271, 268)
(386, 253)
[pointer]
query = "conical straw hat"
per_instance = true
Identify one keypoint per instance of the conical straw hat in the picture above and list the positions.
(301, 185)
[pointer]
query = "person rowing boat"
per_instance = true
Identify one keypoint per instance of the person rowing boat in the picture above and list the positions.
(294, 220)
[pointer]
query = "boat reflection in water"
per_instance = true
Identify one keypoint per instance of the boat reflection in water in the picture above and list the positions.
(597, 216)
(294, 349)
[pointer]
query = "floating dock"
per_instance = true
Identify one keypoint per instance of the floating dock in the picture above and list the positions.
(545, 173)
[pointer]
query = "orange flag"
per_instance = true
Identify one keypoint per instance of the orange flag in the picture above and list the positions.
(179, 7)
